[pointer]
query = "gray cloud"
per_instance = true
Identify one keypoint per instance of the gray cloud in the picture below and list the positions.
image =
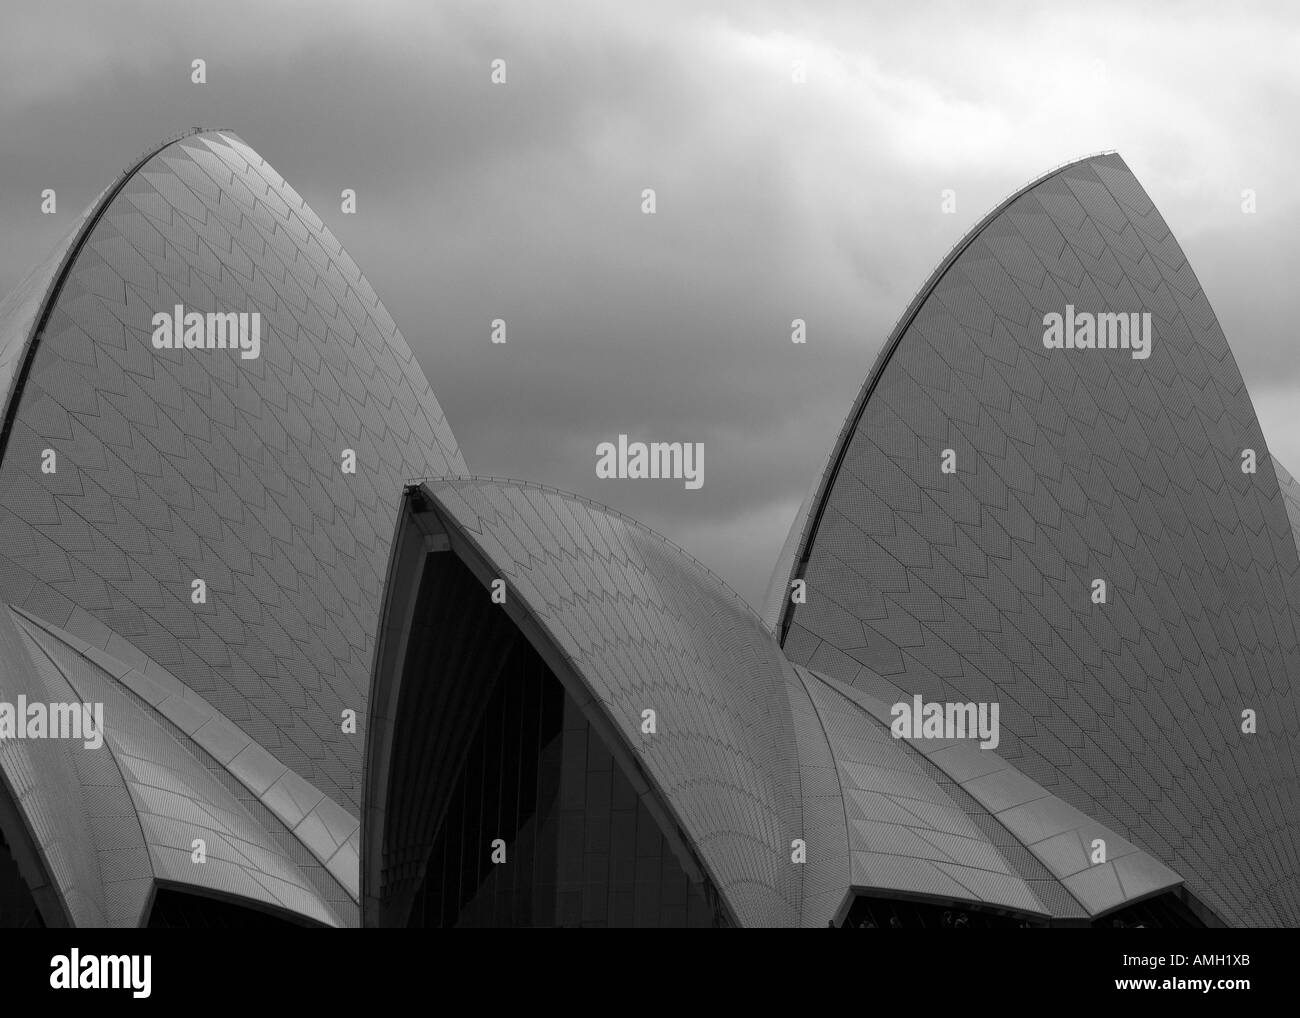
(819, 201)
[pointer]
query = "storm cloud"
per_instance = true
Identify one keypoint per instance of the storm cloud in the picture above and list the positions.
(776, 200)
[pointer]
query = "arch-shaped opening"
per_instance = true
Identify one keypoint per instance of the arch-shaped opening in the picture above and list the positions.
(175, 909)
(495, 799)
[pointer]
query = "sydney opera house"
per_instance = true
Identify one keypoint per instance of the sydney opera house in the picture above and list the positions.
(403, 695)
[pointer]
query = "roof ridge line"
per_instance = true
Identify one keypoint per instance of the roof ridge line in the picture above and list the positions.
(609, 510)
(70, 256)
(892, 338)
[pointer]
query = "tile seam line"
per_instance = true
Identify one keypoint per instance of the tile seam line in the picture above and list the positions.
(1016, 839)
(461, 481)
(154, 714)
(158, 716)
(839, 784)
(121, 774)
(70, 258)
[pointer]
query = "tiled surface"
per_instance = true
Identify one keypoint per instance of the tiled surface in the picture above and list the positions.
(1290, 488)
(827, 871)
(182, 464)
(147, 800)
(324, 827)
(1058, 835)
(294, 845)
(1120, 721)
(904, 832)
(645, 626)
(44, 782)
(1076, 464)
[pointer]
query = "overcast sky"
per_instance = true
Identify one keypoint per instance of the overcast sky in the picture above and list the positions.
(775, 200)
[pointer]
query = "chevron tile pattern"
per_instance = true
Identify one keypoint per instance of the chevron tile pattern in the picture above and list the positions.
(1074, 465)
(183, 464)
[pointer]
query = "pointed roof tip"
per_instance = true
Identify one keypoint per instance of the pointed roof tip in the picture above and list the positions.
(1060, 168)
(71, 248)
(811, 522)
(172, 139)
(1089, 155)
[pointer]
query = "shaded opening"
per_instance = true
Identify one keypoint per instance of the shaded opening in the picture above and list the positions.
(17, 906)
(869, 912)
(504, 805)
(175, 910)
(1165, 911)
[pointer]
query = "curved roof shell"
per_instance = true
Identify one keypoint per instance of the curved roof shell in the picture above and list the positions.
(116, 815)
(629, 623)
(174, 465)
(876, 820)
(1046, 842)
(1074, 465)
